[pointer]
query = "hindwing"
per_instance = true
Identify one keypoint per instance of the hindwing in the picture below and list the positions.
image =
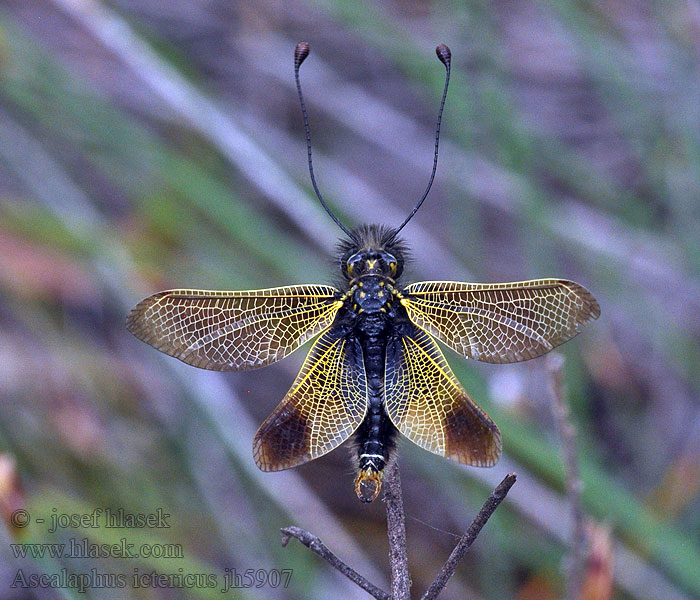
(325, 405)
(427, 404)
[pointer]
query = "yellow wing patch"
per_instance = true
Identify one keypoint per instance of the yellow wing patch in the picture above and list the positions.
(233, 331)
(501, 322)
(427, 404)
(323, 408)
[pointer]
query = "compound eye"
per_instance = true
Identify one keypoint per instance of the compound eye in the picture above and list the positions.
(390, 261)
(352, 265)
(393, 266)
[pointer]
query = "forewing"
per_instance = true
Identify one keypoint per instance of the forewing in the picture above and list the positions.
(501, 322)
(233, 331)
(323, 408)
(428, 405)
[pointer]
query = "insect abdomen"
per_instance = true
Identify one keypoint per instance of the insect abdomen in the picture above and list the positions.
(375, 436)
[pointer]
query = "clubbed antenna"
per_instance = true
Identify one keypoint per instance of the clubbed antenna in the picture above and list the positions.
(300, 53)
(445, 56)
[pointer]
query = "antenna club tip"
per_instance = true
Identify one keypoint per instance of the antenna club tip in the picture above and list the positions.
(301, 51)
(444, 54)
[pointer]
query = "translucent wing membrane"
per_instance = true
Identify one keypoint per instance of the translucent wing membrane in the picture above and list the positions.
(501, 322)
(323, 408)
(428, 405)
(233, 331)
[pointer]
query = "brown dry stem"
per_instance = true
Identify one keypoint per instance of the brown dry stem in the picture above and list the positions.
(317, 546)
(396, 529)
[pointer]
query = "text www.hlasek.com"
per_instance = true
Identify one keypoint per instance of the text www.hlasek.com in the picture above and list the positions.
(83, 548)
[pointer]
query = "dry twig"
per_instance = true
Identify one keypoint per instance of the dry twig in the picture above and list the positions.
(396, 529)
(316, 545)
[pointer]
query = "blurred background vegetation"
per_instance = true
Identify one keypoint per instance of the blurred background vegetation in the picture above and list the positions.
(147, 145)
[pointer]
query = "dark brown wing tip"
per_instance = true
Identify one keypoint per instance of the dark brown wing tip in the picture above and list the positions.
(492, 451)
(497, 449)
(477, 447)
(261, 456)
(271, 449)
(267, 464)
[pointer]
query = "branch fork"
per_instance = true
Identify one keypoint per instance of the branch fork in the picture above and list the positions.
(396, 529)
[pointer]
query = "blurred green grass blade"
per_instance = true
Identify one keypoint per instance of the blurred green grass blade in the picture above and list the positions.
(486, 104)
(128, 154)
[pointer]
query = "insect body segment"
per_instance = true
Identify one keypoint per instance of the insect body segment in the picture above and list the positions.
(373, 318)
